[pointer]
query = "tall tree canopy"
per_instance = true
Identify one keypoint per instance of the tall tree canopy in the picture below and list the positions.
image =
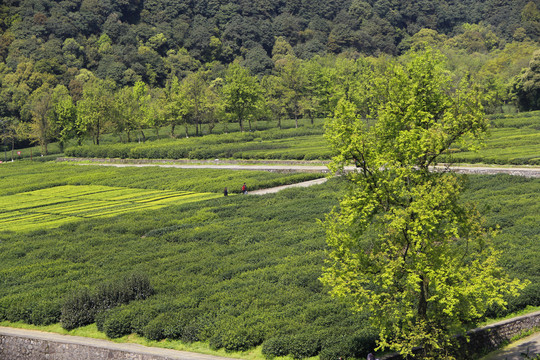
(404, 248)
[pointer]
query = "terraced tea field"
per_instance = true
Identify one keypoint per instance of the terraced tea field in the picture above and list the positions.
(55, 206)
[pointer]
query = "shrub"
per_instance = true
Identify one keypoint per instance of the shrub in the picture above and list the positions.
(46, 313)
(78, 310)
(348, 346)
(241, 338)
(19, 309)
(277, 346)
(305, 345)
(137, 287)
(100, 319)
(132, 287)
(142, 317)
(154, 329)
(216, 342)
(191, 333)
(118, 323)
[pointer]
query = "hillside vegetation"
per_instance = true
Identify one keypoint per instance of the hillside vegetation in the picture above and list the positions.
(76, 70)
(233, 272)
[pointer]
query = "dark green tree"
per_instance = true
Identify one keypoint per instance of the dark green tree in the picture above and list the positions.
(526, 86)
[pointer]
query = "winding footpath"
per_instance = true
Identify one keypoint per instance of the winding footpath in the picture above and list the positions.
(290, 166)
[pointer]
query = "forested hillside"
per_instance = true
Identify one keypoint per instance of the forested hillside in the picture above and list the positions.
(129, 40)
(54, 52)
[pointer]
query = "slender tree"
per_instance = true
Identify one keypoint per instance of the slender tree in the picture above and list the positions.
(242, 94)
(41, 108)
(96, 108)
(64, 115)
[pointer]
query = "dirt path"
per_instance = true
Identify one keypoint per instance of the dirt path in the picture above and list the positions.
(108, 345)
(279, 188)
(294, 166)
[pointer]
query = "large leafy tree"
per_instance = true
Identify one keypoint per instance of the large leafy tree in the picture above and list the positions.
(242, 94)
(404, 248)
(175, 105)
(194, 89)
(96, 108)
(294, 81)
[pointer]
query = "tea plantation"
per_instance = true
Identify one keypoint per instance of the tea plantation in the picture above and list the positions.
(513, 139)
(59, 205)
(231, 272)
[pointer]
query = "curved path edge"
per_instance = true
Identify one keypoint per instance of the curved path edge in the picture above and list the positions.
(290, 166)
(130, 348)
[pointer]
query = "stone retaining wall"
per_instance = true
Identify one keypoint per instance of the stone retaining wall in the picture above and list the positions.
(20, 344)
(491, 337)
(18, 348)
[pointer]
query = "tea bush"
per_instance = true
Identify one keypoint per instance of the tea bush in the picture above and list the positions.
(117, 322)
(81, 308)
(270, 144)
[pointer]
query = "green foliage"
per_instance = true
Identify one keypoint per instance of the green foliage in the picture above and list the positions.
(277, 346)
(242, 95)
(514, 139)
(81, 308)
(246, 266)
(300, 144)
(67, 204)
(118, 323)
(96, 109)
(78, 310)
(402, 246)
(527, 85)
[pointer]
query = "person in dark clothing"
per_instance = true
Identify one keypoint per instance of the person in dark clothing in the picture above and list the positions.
(225, 192)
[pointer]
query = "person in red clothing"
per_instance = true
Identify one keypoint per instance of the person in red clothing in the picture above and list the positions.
(244, 189)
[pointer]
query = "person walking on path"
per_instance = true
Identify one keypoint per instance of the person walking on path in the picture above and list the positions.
(225, 192)
(244, 189)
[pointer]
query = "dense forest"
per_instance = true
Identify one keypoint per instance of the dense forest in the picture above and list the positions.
(55, 52)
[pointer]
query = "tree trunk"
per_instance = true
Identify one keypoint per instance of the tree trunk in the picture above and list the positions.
(422, 302)
(98, 129)
(172, 130)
